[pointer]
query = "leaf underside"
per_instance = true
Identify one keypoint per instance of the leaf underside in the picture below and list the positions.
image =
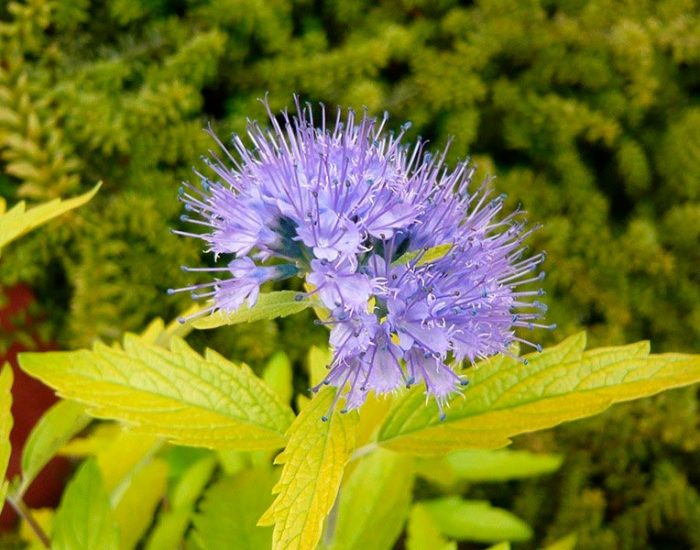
(269, 306)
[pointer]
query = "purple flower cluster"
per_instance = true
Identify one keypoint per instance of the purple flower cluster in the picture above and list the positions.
(418, 273)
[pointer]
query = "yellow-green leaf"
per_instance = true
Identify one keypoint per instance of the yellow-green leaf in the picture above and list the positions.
(278, 375)
(169, 530)
(507, 398)
(176, 394)
(43, 517)
(476, 520)
(100, 437)
(135, 510)
(374, 503)
(230, 509)
(122, 458)
(314, 461)
(269, 306)
(232, 462)
(5, 426)
(134, 484)
(153, 331)
(172, 524)
(84, 519)
(318, 361)
(423, 532)
(18, 220)
(566, 543)
(426, 256)
(192, 482)
(157, 332)
(55, 428)
(479, 465)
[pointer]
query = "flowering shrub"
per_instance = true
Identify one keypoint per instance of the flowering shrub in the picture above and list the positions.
(417, 277)
(587, 112)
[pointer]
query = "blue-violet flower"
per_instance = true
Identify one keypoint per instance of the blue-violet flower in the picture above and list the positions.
(419, 273)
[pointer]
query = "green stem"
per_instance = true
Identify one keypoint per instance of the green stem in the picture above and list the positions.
(364, 450)
(26, 514)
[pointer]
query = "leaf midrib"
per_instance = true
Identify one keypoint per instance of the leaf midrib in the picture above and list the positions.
(519, 404)
(573, 347)
(128, 388)
(176, 366)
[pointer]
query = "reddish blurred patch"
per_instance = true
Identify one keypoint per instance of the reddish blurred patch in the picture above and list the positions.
(30, 399)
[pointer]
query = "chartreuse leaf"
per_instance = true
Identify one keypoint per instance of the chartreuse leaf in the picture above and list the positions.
(269, 306)
(426, 256)
(84, 519)
(318, 361)
(172, 524)
(374, 411)
(232, 462)
(5, 426)
(192, 482)
(566, 543)
(507, 398)
(423, 532)
(135, 509)
(153, 331)
(157, 332)
(43, 517)
(170, 530)
(55, 428)
(374, 503)
(176, 394)
(125, 455)
(478, 465)
(230, 511)
(278, 375)
(101, 436)
(476, 520)
(134, 480)
(500, 546)
(314, 460)
(501, 465)
(18, 220)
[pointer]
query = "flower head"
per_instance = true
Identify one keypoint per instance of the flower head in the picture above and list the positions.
(419, 273)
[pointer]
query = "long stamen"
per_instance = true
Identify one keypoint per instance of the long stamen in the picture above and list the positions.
(336, 204)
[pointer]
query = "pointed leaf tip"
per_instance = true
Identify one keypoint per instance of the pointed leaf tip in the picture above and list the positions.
(507, 398)
(176, 394)
(314, 461)
(269, 306)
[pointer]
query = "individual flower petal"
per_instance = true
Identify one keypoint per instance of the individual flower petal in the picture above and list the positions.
(352, 335)
(340, 287)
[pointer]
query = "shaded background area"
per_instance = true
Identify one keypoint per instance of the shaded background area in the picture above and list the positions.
(588, 112)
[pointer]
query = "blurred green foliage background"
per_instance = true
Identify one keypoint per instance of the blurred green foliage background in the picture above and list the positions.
(588, 112)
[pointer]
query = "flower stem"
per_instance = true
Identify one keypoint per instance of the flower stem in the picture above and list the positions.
(24, 512)
(364, 450)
